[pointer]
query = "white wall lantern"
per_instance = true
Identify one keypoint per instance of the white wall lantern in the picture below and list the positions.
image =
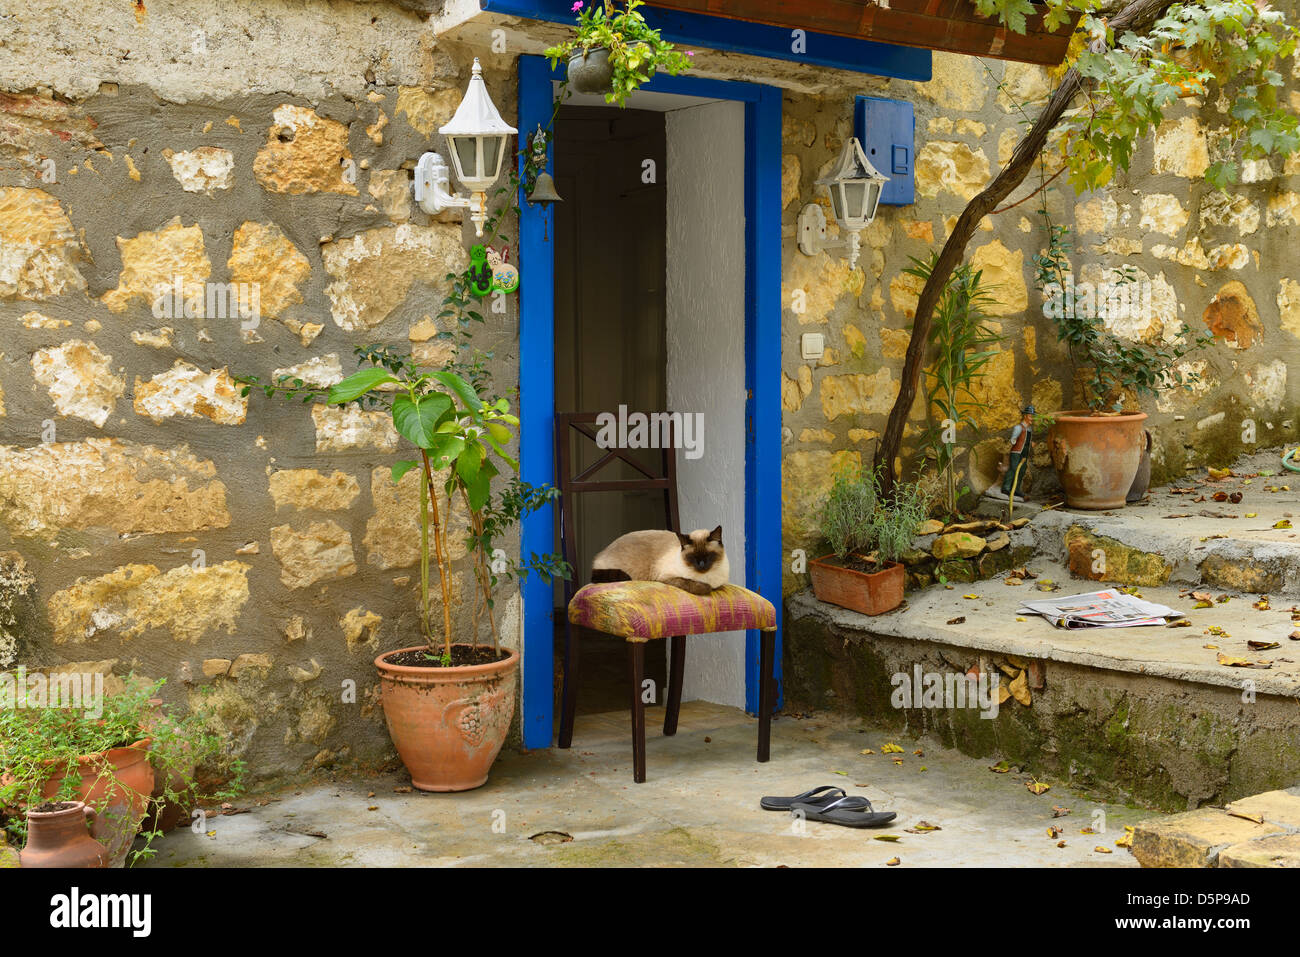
(855, 187)
(476, 138)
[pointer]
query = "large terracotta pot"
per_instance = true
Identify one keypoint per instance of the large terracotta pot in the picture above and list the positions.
(62, 839)
(1097, 456)
(116, 784)
(872, 593)
(448, 723)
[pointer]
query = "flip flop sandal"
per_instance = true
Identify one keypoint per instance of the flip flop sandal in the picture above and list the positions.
(817, 797)
(838, 813)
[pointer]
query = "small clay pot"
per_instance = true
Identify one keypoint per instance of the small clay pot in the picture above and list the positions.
(62, 838)
(871, 593)
(1142, 480)
(116, 782)
(590, 70)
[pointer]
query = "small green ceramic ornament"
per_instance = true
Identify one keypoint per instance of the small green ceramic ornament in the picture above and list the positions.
(480, 271)
(505, 277)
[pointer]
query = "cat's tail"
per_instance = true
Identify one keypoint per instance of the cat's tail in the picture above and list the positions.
(609, 575)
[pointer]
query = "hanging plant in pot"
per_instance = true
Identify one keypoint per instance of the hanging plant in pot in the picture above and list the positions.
(448, 704)
(867, 536)
(1098, 451)
(613, 51)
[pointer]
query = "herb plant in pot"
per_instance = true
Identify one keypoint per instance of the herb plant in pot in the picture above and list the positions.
(108, 760)
(613, 51)
(867, 536)
(1097, 451)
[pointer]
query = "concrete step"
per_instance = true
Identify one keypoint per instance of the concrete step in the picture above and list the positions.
(1146, 715)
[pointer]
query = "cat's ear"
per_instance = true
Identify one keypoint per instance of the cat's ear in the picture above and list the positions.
(684, 539)
(716, 535)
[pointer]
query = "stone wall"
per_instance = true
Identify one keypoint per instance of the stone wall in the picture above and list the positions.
(1225, 262)
(171, 525)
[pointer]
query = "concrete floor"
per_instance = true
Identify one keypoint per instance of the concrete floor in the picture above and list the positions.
(699, 808)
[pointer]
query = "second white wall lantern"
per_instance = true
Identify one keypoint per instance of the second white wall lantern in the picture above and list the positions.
(855, 187)
(477, 139)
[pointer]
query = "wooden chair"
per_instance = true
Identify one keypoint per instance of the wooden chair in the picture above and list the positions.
(640, 612)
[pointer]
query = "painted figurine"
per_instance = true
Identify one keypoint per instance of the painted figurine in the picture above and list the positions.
(1014, 467)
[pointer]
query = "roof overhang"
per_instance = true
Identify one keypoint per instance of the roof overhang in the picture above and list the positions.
(730, 48)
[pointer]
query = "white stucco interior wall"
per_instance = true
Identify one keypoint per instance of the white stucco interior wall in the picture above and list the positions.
(706, 354)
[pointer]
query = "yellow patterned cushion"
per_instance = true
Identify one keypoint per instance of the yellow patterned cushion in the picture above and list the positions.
(643, 611)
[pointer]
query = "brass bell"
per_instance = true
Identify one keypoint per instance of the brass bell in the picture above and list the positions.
(544, 191)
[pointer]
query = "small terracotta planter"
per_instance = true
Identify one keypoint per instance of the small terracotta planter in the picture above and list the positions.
(872, 593)
(116, 784)
(448, 723)
(62, 839)
(1097, 456)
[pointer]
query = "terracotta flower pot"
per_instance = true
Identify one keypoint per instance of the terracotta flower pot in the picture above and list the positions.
(448, 723)
(116, 784)
(590, 71)
(872, 593)
(1097, 456)
(62, 839)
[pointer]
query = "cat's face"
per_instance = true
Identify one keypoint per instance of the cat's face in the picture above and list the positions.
(702, 550)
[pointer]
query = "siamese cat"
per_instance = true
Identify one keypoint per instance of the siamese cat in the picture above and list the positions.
(696, 563)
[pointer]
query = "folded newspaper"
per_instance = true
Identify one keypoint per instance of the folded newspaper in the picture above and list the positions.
(1101, 609)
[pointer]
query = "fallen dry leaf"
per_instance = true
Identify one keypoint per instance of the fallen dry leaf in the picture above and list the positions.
(1002, 767)
(1255, 818)
(960, 619)
(1262, 645)
(890, 748)
(893, 862)
(1100, 849)
(1037, 787)
(923, 827)
(1020, 689)
(1127, 839)
(891, 838)
(1054, 832)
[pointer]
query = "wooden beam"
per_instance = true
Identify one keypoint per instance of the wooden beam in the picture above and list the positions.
(950, 25)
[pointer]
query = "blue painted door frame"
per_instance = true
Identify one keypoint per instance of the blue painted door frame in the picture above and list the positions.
(763, 558)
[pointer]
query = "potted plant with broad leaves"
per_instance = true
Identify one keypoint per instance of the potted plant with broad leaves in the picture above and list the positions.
(448, 704)
(613, 50)
(867, 535)
(1097, 451)
(106, 766)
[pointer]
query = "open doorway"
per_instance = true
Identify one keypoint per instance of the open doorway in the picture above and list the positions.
(649, 287)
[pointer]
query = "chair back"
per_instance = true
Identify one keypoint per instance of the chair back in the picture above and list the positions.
(573, 430)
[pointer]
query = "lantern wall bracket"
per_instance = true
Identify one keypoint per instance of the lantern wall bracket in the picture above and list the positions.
(433, 193)
(812, 235)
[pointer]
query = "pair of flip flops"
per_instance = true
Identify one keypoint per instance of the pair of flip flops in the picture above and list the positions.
(831, 805)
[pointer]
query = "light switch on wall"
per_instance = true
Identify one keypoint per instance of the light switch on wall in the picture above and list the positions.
(812, 345)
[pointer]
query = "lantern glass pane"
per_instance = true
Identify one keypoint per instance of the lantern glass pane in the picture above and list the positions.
(855, 197)
(492, 155)
(837, 200)
(873, 199)
(466, 162)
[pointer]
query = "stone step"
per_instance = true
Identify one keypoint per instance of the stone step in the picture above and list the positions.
(1182, 535)
(1258, 831)
(1141, 547)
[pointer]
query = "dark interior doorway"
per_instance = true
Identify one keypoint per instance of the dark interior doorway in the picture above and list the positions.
(610, 334)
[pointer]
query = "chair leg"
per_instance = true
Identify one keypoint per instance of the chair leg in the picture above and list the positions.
(569, 699)
(636, 674)
(676, 666)
(766, 687)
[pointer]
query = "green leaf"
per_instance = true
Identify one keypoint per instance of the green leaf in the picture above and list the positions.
(464, 391)
(467, 463)
(478, 491)
(418, 420)
(357, 385)
(402, 467)
(445, 449)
